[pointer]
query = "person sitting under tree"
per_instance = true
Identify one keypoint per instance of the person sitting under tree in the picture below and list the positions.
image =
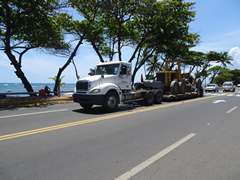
(47, 90)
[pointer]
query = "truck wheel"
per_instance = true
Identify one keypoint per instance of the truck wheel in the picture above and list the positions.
(158, 97)
(201, 92)
(198, 83)
(86, 106)
(110, 102)
(149, 99)
(182, 87)
(174, 87)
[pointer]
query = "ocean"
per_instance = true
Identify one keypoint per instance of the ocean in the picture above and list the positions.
(19, 87)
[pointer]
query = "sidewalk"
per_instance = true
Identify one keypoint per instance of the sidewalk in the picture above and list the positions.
(35, 100)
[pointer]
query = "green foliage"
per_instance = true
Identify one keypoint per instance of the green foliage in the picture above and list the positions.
(60, 83)
(161, 26)
(194, 58)
(150, 77)
(222, 59)
(30, 24)
(25, 25)
(228, 75)
(153, 65)
(91, 72)
(223, 76)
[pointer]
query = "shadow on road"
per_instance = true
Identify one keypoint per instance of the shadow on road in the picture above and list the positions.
(97, 109)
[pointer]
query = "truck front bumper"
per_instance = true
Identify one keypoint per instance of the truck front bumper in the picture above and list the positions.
(88, 99)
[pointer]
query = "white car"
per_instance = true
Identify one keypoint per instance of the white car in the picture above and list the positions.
(228, 86)
(238, 85)
(212, 87)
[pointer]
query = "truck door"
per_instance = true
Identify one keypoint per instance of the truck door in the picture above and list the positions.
(124, 79)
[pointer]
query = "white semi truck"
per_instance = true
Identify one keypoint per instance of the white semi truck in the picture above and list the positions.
(111, 85)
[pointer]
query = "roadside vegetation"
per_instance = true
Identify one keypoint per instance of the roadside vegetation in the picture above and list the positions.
(156, 31)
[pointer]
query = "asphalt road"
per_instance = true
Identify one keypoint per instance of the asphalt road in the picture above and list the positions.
(191, 139)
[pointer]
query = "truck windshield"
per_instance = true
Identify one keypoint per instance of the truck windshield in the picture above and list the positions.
(110, 69)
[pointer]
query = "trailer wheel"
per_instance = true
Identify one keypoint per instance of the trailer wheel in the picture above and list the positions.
(198, 83)
(110, 102)
(149, 99)
(158, 97)
(174, 87)
(182, 87)
(86, 106)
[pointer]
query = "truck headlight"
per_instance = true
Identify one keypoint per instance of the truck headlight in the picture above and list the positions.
(95, 91)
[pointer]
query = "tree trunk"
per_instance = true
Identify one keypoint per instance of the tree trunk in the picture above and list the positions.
(214, 75)
(56, 87)
(20, 73)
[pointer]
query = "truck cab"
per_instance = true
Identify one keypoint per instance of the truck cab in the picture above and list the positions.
(110, 78)
(111, 85)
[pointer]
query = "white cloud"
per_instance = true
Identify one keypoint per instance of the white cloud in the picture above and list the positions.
(232, 33)
(235, 53)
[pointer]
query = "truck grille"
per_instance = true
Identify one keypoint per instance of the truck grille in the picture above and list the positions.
(82, 85)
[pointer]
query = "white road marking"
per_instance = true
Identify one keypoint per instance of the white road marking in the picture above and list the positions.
(218, 101)
(28, 114)
(154, 158)
(222, 94)
(232, 109)
(213, 94)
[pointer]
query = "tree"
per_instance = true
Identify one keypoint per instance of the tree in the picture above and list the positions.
(91, 72)
(194, 59)
(225, 75)
(228, 75)
(153, 65)
(78, 29)
(236, 76)
(154, 26)
(60, 83)
(28, 25)
(223, 58)
(214, 71)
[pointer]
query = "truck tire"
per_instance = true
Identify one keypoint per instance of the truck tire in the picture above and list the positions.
(149, 99)
(86, 106)
(110, 103)
(198, 83)
(182, 87)
(158, 97)
(174, 87)
(200, 92)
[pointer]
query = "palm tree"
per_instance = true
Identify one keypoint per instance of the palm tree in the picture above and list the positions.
(153, 65)
(225, 59)
(60, 84)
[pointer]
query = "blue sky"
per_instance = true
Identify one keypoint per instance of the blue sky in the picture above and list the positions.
(217, 22)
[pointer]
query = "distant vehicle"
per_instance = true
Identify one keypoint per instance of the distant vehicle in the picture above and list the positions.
(212, 87)
(228, 86)
(238, 85)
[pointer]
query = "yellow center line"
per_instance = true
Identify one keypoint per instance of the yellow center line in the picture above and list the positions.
(61, 126)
